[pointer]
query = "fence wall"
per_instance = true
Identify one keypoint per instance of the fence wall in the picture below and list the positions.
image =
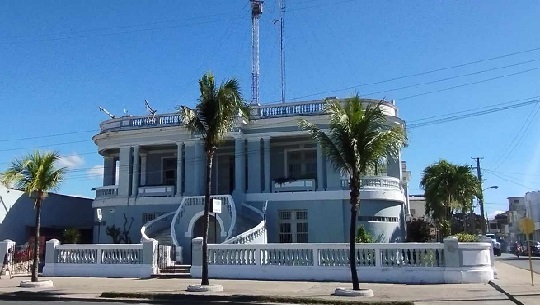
(448, 262)
(135, 260)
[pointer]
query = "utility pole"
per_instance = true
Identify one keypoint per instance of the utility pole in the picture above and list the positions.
(481, 200)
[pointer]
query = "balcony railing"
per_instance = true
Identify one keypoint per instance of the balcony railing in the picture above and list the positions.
(375, 182)
(157, 191)
(299, 185)
(137, 122)
(106, 191)
(258, 112)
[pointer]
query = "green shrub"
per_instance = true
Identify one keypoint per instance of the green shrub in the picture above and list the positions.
(464, 237)
(363, 236)
(72, 236)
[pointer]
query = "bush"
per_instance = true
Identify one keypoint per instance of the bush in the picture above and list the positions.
(464, 237)
(363, 236)
(72, 236)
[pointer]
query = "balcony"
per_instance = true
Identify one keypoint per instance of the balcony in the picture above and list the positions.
(157, 191)
(304, 108)
(106, 191)
(300, 185)
(375, 182)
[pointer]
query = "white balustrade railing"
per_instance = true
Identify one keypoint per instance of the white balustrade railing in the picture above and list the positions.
(106, 191)
(98, 254)
(152, 226)
(375, 182)
(294, 185)
(130, 122)
(156, 191)
(256, 234)
(117, 260)
(329, 255)
(258, 112)
(448, 262)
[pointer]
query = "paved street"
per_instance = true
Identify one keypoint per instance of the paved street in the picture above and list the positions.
(521, 262)
(64, 303)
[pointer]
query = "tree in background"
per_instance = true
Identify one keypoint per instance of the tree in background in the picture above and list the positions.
(418, 230)
(356, 140)
(216, 113)
(36, 174)
(448, 188)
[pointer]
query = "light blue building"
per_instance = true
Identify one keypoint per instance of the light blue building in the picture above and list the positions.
(268, 164)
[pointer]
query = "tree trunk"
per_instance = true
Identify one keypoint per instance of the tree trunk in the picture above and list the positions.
(35, 255)
(204, 277)
(355, 198)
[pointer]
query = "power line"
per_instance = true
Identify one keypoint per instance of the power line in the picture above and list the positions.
(392, 79)
(517, 139)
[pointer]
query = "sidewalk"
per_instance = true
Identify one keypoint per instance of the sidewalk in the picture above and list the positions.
(517, 283)
(91, 288)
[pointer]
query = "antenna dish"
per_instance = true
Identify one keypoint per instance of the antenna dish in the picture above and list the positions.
(112, 116)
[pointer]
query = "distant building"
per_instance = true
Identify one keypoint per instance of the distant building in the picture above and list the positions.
(58, 212)
(417, 207)
(532, 206)
(516, 211)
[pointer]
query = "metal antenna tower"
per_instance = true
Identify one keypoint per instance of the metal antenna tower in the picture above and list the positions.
(256, 11)
(282, 53)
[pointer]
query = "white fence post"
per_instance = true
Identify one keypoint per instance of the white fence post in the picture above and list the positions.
(4, 246)
(150, 254)
(196, 257)
(50, 257)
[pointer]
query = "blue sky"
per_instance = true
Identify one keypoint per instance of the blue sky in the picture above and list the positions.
(61, 60)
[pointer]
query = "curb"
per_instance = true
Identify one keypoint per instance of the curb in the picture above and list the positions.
(134, 298)
(508, 295)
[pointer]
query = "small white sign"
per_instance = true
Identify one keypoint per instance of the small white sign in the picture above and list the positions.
(216, 205)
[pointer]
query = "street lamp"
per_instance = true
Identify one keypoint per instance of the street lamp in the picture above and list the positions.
(481, 202)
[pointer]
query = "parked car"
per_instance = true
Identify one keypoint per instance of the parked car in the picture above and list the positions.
(533, 245)
(496, 245)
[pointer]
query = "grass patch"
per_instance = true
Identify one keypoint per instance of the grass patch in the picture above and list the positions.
(248, 299)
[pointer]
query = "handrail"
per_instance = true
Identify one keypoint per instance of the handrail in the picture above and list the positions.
(145, 237)
(245, 235)
(230, 202)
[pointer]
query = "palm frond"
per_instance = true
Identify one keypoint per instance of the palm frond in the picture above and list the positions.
(37, 172)
(358, 137)
(217, 111)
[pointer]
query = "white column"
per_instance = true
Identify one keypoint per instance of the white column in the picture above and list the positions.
(179, 167)
(239, 164)
(143, 168)
(123, 172)
(135, 173)
(267, 182)
(320, 168)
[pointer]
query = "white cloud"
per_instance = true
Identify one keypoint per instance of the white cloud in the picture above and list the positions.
(71, 162)
(96, 172)
(491, 215)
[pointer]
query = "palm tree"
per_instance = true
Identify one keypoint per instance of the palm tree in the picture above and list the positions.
(215, 114)
(36, 174)
(448, 188)
(356, 140)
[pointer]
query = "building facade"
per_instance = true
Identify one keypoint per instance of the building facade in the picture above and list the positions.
(517, 210)
(532, 207)
(58, 212)
(267, 165)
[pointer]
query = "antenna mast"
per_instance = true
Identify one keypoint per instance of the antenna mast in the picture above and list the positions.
(256, 11)
(282, 54)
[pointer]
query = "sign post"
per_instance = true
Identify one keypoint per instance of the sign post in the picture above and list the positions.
(216, 209)
(526, 225)
(99, 217)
